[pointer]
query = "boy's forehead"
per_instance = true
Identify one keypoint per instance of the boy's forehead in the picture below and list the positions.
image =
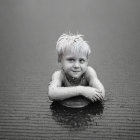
(74, 54)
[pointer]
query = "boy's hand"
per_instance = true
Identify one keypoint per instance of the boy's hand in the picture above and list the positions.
(94, 95)
(97, 95)
(91, 93)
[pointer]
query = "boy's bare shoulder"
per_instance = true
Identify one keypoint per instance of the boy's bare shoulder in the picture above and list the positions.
(57, 79)
(57, 75)
(90, 72)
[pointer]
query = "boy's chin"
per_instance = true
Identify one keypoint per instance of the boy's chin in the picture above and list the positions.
(76, 76)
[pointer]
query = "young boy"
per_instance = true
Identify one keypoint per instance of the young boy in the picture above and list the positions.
(75, 84)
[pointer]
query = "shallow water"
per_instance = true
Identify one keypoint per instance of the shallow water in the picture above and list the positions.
(29, 30)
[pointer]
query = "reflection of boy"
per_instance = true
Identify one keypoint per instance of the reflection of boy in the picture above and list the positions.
(75, 78)
(73, 119)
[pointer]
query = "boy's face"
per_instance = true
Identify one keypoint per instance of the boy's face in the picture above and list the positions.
(74, 64)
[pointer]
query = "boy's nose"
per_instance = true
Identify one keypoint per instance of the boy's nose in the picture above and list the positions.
(76, 65)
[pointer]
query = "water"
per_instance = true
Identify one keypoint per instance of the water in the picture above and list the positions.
(29, 30)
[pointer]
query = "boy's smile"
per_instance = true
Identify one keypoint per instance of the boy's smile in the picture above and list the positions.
(74, 64)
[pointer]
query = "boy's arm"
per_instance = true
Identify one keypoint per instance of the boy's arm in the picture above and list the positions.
(56, 92)
(95, 91)
(95, 82)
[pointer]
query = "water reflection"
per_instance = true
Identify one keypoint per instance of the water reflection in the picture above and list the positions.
(76, 118)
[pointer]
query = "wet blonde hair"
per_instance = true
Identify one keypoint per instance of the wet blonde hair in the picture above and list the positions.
(73, 43)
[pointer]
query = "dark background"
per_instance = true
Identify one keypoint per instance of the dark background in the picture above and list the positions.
(29, 30)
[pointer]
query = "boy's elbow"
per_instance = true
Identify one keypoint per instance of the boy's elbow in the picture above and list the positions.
(50, 98)
(50, 94)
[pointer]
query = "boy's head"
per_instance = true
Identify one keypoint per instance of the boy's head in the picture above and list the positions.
(73, 54)
(71, 43)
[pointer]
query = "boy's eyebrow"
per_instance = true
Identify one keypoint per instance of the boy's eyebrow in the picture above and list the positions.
(70, 57)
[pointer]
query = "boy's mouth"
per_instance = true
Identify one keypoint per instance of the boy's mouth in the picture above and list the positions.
(75, 71)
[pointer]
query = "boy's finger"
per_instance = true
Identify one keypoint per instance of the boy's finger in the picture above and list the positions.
(98, 97)
(93, 99)
(102, 96)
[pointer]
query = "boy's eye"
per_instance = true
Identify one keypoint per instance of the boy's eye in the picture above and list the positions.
(82, 61)
(71, 60)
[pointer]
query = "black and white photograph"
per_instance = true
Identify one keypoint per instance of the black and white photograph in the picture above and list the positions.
(69, 69)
